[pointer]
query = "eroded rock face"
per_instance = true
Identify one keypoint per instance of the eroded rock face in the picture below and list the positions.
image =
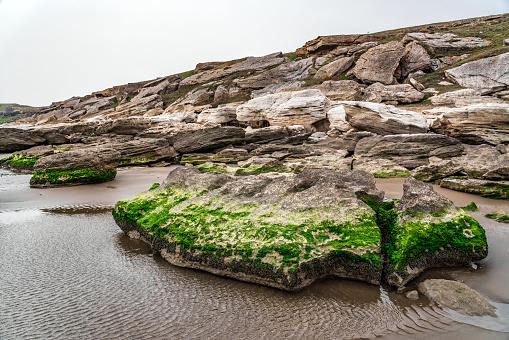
(401, 93)
(441, 44)
(379, 63)
(430, 232)
(284, 73)
(383, 119)
(340, 90)
(477, 124)
(409, 151)
(207, 138)
(456, 296)
(486, 75)
(333, 68)
(286, 108)
(218, 115)
(279, 247)
(14, 139)
(76, 167)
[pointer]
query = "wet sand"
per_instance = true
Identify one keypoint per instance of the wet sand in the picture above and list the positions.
(68, 272)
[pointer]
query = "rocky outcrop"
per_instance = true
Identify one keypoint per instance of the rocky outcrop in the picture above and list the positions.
(218, 115)
(430, 232)
(397, 94)
(206, 138)
(379, 63)
(14, 139)
(340, 90)
(486, 75)
(383, 119)
(478, 124)
(451, 97)
(274, 243)
(441, 44)
(284, 73)
(76, 167)
(485, 188)
(456, 296)
(333, 68)
(409, 151)
(286, 108)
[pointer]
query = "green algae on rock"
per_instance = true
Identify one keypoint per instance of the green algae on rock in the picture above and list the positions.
(19, 162)
(281, 232)
(77, 167)
(429, 232)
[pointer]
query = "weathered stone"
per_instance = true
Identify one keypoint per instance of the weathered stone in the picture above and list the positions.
(313, 203)
(415, 58)
(200, 67)
(144, 151)
(229, 156)
(440, 44)
(324, 44)
(485, 188)
(404, 93)
(349, 140)
(380, 168)
(451, 97)
(221, 93)
(437, 171)
(412, 295)
(409, 151)
(76, 167)
(333, 68)
(330, 160)
(286, 108)
(278, 87)
(340, 90)
(477, 100)
(486, 75)
(430, 232)
(266, 134)
(249, 64)
(456, 296)
(284, 73)
(418, 86)
(478, 124)
(337, 119)
(379, 63)
(189, 101)
(218, 115)
(14, 139)
(383, 119)
(207, 138)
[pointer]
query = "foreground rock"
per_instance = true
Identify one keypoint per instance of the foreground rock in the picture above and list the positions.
(486, 75)
(272, 231)
(430, 232)
(457, 296)
(84, 166)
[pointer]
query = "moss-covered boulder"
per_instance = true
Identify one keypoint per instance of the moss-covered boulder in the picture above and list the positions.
(77, 167)
(427, 231)
(25, 160)
(284, 232)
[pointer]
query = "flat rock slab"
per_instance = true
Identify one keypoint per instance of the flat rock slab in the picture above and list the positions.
(485, 188)
(457, 296)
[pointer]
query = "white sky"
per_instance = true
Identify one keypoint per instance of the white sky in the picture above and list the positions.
(51, 50)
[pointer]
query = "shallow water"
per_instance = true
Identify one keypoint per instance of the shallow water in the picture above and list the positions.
(67, 272)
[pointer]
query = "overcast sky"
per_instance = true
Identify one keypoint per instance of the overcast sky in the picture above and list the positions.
(51, 50)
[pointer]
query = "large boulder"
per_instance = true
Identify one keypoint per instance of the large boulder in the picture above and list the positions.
(383, 119)
(486, 75)
(441, 44)
(76, 167)
(281, 232)
(409, 151)
(477, 124)
(429, 232)
(379, 63)
(284, 73)
(401, 93)
(414, 59)
(457, 296)
(333, 68)
(286, 108)
(340, 90)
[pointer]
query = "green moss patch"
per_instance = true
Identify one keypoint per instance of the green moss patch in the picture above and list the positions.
(500, 216)
(18, 161)
(392, 174)
(136, 161)
(71, 176)
(255, 170)
(470, 207)
(213, 168)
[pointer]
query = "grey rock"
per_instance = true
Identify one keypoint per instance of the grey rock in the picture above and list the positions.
(451, 97)
(265, 134)
(383, 119)
(457, 296)
(14, 139)
(221, 93)
(441, 44)
(409, 151)
(333, 68)
(486, 75)
(291, 71)
(415, 59)
(383, 168)
(379, 63)
(421, 197)
(404, 93)
(485, 188)
(218, 115)
(340, 90)
(206, 138)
